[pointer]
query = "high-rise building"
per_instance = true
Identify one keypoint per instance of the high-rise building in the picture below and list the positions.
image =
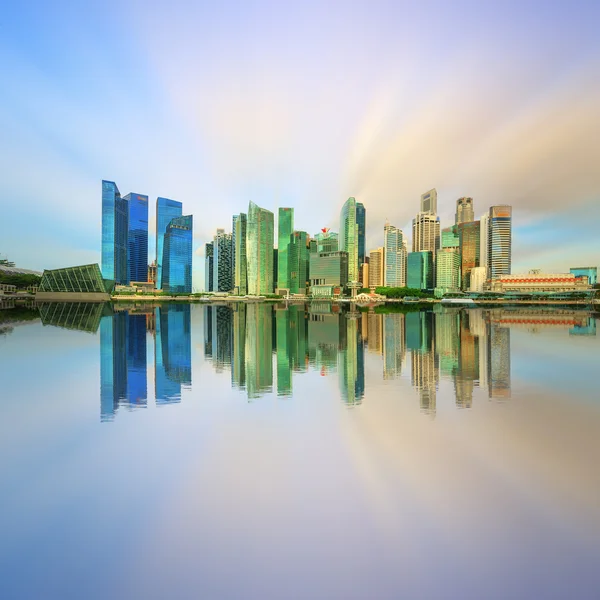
(115, 231)
(349, 237)
(376, 267)
(298, 262)
(240, 278)
(328, 269)
(209, 267)
(484, 255)
(222, 262)
(450, 237)
(426, 233)
(448, 269)
(327, 241)
(469, 238)
(429, 202)
(285, 227)
(394, 271)
(477, 279)
(259, 250)
(464, 210)
(165, 211)
(361, 223)
(177, 255)
(419, 271)
(137, 237)
(499, 241)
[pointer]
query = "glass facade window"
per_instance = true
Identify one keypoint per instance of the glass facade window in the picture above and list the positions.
(420, 270)
(329, 268)
(83, 279)
(166, 210)
(177, 253)
(469, 235)
(208, 267)
(590, 272)
(240, 275)
(115, 218)
(285, 228)
(349, 237)
(137, 237)
(298, 262)
(259, 250)
(450, 237)
(222, 262)
(327, 241)
(448, 269)
(499, 241)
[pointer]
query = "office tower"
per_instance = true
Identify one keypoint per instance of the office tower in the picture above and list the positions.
(349, 237)
(393, 345)
(376, 266)
(478, 279)
(166, 210)
(177, 256)
(394, 271)
(240, 278)
(426, 233)
(209, 266)
(115, 230)
(469, 238)
(222, 267)
(238, 365)
(285, 227)
(419, 271)
(152, 273)
(499, 241)
(328, 273)
(364, 274)
(327, 241)
(312, 246)
(137, 237)
(259, 347)
(464, 210)
(449, 238)
(484, 255)
(447, 269)
(298, 265)
(259, 250)
(234, 223)
(429, 202)
(361, 223)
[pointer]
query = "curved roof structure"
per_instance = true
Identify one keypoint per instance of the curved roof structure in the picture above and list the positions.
(18, 271)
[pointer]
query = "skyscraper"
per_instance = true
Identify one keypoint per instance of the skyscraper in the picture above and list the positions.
(165, 211)
(222, 262)
(349, 237)
(298, 262)
(426, 233)
(361, 223)
(240, 276)
(209, 267)
(259, 250)
(376, 267)
(469, 238)
(429, 202)
(419, 271)
(115, 230)
(177, 254)
(448, 269)
(285, 227)
(464, 210)
(137, 237)
(499, 241)
(394, 272)
(449, 237)
(484, 221)
(327, 241)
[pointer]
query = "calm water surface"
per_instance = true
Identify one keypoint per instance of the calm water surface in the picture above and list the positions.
(264, 452)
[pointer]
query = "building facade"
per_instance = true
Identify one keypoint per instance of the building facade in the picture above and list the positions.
(166, 210)
(449, 237)
(349, 237)
(177, 254)
(327, 241)
(209, 267)
(469, 238)
(376, 266)
(361, 223)
(420, 270)
(540, 282)
(240, 277)
(478, 279)
(328, 271)
(259, 250)
(590, 272)
(484, 254)
(499, 241)
(448, 269)
(394, 271)
(426, 233)
(285, 228)
(429, 202)
(298, 259)
(137, 237)
(222, 262)
(464, 210)
(115, 230)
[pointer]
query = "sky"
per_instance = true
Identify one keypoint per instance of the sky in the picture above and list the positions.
(300, 104)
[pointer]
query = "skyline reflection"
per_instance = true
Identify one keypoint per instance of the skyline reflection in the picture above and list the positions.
(266, 347)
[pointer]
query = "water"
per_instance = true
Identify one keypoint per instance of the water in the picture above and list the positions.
(258, 452)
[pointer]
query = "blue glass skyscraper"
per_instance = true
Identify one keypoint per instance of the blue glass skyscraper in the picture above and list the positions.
(177, 256)
(137, 237)
(361, 223)
(115, 218)
(166, 210)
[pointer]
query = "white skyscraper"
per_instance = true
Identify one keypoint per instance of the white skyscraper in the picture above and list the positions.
(394, 273)
(429, 202)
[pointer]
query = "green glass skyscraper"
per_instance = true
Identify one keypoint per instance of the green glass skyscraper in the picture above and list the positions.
(298, 262)
(284, 231)
(240, 274)
(349, 237)
(259, 250)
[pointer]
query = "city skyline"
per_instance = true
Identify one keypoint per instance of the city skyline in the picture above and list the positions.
(510, 117)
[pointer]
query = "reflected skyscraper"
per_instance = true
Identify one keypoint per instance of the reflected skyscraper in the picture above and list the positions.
(393, 345)
(259, 348)
(284, 367)
(177, 256)
(499, 361)
(238, 360)
(137, 390)
(259, 250)
(351, 365)
(113, 363)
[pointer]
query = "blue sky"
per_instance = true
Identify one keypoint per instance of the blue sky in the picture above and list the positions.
(300, 104)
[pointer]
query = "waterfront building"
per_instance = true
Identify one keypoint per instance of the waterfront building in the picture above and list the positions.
(259, 250)
(240, 278)
(74, 284)
(464, 210)
(137, 237)
(209, 266)
(540, 282)
(298, 262)
(478, 279)
(327, 241)
(484, 254)
(177, 256)
(328, 273)
(469, 239)
(499, 241)
(115, 231)
(285, 227)
(449, 237)
(420, 270)
(222, 262)
(361, 224)
(590, 272)
(166, 210)
(394, 256)
(349, 237)
(429, 202)
(448, 269)
(376, 266)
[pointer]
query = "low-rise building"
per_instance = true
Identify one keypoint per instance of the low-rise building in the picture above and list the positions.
(540, 282)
